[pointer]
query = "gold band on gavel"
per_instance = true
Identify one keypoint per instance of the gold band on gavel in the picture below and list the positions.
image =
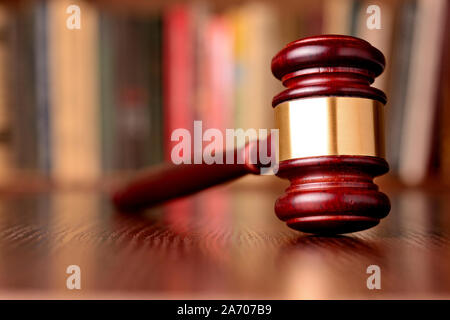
(330, 126)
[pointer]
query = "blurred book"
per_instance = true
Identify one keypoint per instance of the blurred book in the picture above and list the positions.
(421, 102)
(255, 28)
(130, 73)
(107, 73)
(22, 69)
(42, 86)
(382, 38)
(73, 81)
(5, 120)
(443, 116)
(398, 82)
(337, 17)
(178, 73)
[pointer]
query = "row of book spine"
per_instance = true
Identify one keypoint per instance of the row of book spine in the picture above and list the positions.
(105, 98)
(76, 105)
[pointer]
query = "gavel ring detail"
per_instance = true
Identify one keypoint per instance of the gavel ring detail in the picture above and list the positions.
(331, 142)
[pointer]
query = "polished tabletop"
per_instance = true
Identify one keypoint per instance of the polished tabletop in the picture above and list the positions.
(222, 243)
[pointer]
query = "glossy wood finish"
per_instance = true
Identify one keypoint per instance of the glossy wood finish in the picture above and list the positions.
(330, 194)
(329, 65)
(169, 181)
(333, 194)
(239, 251)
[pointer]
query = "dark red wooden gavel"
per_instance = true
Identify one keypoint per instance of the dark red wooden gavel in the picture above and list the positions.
(331, 142)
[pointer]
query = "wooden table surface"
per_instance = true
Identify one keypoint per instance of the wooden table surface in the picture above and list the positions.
(223, 243)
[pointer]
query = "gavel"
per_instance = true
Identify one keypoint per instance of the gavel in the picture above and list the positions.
(331, 142)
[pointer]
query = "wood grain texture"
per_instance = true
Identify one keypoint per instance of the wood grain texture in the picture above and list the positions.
(236, 250)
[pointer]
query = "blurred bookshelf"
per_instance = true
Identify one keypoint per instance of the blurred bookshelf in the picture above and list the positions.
(82, 108)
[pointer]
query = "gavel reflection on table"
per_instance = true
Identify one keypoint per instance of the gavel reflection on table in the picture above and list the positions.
(331, 142)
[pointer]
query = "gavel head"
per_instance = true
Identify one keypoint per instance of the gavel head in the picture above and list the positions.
(331, 139)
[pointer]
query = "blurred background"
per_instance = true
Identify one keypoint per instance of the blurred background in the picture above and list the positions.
(80, 106)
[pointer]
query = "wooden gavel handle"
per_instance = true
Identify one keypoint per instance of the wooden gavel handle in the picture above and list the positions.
(169, 181)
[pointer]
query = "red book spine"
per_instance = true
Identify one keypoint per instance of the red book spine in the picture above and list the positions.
(178, 60)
